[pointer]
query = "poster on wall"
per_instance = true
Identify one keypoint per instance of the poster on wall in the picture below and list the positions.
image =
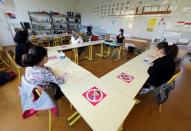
(151, 24)
(12, 21)
(10, 15)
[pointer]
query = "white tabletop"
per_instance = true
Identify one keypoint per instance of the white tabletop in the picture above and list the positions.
(59, 67)
(137, 40)
(108, 114)
(72, 46)
(112, 43)
(137, 68)
(138, 61)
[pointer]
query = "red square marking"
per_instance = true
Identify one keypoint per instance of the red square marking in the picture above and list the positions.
(94, 95)
(125, 77)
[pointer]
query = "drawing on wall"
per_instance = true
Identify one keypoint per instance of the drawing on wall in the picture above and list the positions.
(151, 24)
(10, 15)
(111, 7)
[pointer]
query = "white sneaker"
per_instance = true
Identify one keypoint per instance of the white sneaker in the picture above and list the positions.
(145, 90)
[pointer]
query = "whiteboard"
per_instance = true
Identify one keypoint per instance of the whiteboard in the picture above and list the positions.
(172, 36)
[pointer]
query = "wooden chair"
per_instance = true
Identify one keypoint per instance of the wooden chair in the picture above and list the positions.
(49, 112)
(2, 60)
(170, 82)
(46, 41)
(35, 41)
(57, 41)
(11, 56)
(66, 40)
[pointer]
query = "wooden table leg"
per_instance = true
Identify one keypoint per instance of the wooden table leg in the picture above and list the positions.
(108, 52)
(75, 50)
(101, 51)
(90, 53)
(121, 127)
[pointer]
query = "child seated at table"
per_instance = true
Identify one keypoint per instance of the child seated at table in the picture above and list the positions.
(38, 74)
(77, 39)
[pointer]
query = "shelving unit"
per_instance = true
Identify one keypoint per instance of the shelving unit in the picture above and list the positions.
(54, 22)
(59, 22)
(40, 21)
(74, 21)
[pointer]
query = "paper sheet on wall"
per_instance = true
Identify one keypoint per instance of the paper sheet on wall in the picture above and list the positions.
(151, 24)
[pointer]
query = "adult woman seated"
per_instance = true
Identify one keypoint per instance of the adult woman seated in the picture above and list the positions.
(163, 68)
(22, 46)
(120, 39)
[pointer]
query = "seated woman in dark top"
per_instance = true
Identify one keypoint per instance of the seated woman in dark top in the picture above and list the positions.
(163, 68)
(22, 46)
(120, 39)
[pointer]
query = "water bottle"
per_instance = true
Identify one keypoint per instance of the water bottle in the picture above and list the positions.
(62, 55)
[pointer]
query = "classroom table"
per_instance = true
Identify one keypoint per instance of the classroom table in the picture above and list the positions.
(109, 113)
(101, 116)
(75, 47)
(136, 69)
(60, 66)
(183, 51)
(139, 43)
(117, 48)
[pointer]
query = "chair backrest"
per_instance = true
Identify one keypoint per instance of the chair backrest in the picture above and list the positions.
(57, 39)
(34, 39)
(11, 56)
(1, 50)
(46, 38)
(107, 37)
(173, 78)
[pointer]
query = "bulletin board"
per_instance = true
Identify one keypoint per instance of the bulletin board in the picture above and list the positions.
(171, 36)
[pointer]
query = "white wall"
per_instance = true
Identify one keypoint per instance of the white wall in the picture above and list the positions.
(179, 15)
(133, 25)
(8, 6)
(175, 31)
(6, 36)
(23, 6)
(136, 26)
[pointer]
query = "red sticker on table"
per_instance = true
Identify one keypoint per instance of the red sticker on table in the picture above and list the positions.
(94, 95)
(125, 77)
(52, 57)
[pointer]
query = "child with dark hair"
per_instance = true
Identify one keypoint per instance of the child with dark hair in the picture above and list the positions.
(22, 46)
(163, 68)
(38, 74)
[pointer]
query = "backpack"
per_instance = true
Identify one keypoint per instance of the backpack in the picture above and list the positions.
(6, 76)
(163, 92)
